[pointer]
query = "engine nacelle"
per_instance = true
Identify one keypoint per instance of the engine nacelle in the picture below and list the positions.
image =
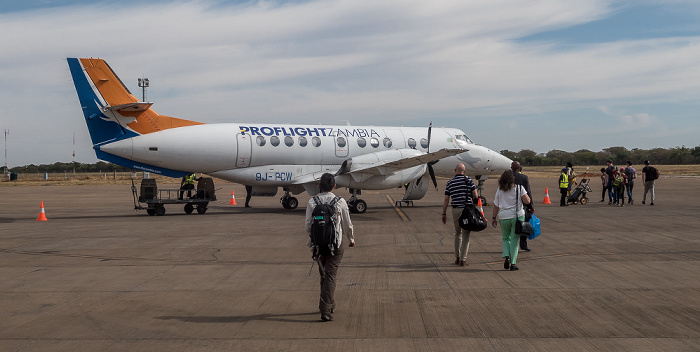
(417, 189)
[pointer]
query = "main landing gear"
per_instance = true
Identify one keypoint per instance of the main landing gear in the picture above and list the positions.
(355, 204)
(289, 202)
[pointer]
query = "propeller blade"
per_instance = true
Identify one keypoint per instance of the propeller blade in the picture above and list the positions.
(432, 174)
(430, 130)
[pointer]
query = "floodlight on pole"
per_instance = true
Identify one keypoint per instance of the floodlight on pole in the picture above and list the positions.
(144, 83)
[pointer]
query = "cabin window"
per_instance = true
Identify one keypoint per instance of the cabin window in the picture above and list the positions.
(288, 141)
(275, 141)
(361, 142)
(302, 141)
(412, 143)
(260, 141)
(387, 142)
(316, 142)
(424, 143)
(374, 142)
(341, 142)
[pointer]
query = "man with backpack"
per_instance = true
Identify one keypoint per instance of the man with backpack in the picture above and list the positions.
(649, 175)
(327, 219)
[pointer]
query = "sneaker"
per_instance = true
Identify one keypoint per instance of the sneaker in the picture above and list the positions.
(602, 200)
(506, 264)
(652, 203)
(525, 249)
(609, 203)
(514, 267)
(326, 317)
(643, 202)
(463, 263)
(457, 261)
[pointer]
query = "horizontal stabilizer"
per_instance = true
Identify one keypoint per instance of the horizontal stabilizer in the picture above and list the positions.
(137, 106)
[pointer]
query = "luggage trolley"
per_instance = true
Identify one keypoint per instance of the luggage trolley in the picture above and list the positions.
(156, 199)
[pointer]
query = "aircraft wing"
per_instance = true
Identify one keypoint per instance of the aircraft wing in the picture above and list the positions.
(391, 162)
(382, 163)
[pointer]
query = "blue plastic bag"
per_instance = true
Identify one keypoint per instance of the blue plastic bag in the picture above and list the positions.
(535, 222)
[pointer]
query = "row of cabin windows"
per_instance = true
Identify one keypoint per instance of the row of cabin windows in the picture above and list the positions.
(341, 142)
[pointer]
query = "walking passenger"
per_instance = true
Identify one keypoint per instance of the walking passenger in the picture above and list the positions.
(609, 172)
(522, 179)
(631, 175)
(508, 205)
(649, 175)
(461, 189)
(604, 181)
(328, 263)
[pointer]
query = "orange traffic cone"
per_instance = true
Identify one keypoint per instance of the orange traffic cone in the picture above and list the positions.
(233, 199)
(478, 206)
(42, 214)
(546, 196)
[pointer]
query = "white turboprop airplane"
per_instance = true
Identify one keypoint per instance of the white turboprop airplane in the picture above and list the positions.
(128, 132)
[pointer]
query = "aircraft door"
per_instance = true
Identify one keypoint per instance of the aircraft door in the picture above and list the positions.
(341, 146)
(244, 150)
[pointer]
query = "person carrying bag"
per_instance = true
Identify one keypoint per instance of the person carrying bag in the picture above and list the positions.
(507, 209)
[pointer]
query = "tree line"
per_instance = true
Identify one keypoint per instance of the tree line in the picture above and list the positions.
(78, 167)
(618, 155)
(526, 157)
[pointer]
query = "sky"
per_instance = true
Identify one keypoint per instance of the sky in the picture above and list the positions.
(512, 74)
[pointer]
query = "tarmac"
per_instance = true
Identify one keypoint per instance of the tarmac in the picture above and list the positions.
(101, 276)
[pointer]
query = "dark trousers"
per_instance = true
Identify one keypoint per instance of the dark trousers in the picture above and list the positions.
(563, 191)
(188, 188)
(523, 242)
(328, 269)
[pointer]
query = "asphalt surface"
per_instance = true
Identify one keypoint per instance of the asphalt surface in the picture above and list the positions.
(100, 276)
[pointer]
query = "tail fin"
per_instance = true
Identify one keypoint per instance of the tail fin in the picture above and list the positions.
(111, 111)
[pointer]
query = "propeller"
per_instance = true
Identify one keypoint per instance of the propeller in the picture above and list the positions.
(430, 164)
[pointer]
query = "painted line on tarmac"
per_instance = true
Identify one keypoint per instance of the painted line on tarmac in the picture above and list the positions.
(398, 211)
(534, 258)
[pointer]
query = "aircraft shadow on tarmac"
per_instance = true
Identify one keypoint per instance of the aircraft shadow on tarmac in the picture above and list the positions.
(243, 318)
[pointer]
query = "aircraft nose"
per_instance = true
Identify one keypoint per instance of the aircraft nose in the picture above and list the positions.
(500, 162)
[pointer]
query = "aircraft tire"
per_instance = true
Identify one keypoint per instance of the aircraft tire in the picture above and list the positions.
(292, 203)
(360, 206)
(189, 208)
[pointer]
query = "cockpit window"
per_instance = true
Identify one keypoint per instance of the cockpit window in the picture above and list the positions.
(464, 138)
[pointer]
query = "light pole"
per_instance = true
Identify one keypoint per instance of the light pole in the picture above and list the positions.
(144, 83)
(6, 133)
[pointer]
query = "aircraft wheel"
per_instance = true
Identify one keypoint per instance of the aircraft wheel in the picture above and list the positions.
(189, 208)
(201, 208)
(151, 212)
(584, 200)
(360, 206)
(292, 203)
(160, 210)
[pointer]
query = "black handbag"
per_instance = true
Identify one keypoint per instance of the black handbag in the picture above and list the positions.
(521, 227)
(472, 219)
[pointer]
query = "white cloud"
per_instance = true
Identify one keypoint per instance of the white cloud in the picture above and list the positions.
(380, 62)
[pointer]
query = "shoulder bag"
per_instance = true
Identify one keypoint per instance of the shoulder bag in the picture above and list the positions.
(521, 227)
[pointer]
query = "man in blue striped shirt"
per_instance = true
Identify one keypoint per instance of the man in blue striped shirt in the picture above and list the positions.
(461, 189)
